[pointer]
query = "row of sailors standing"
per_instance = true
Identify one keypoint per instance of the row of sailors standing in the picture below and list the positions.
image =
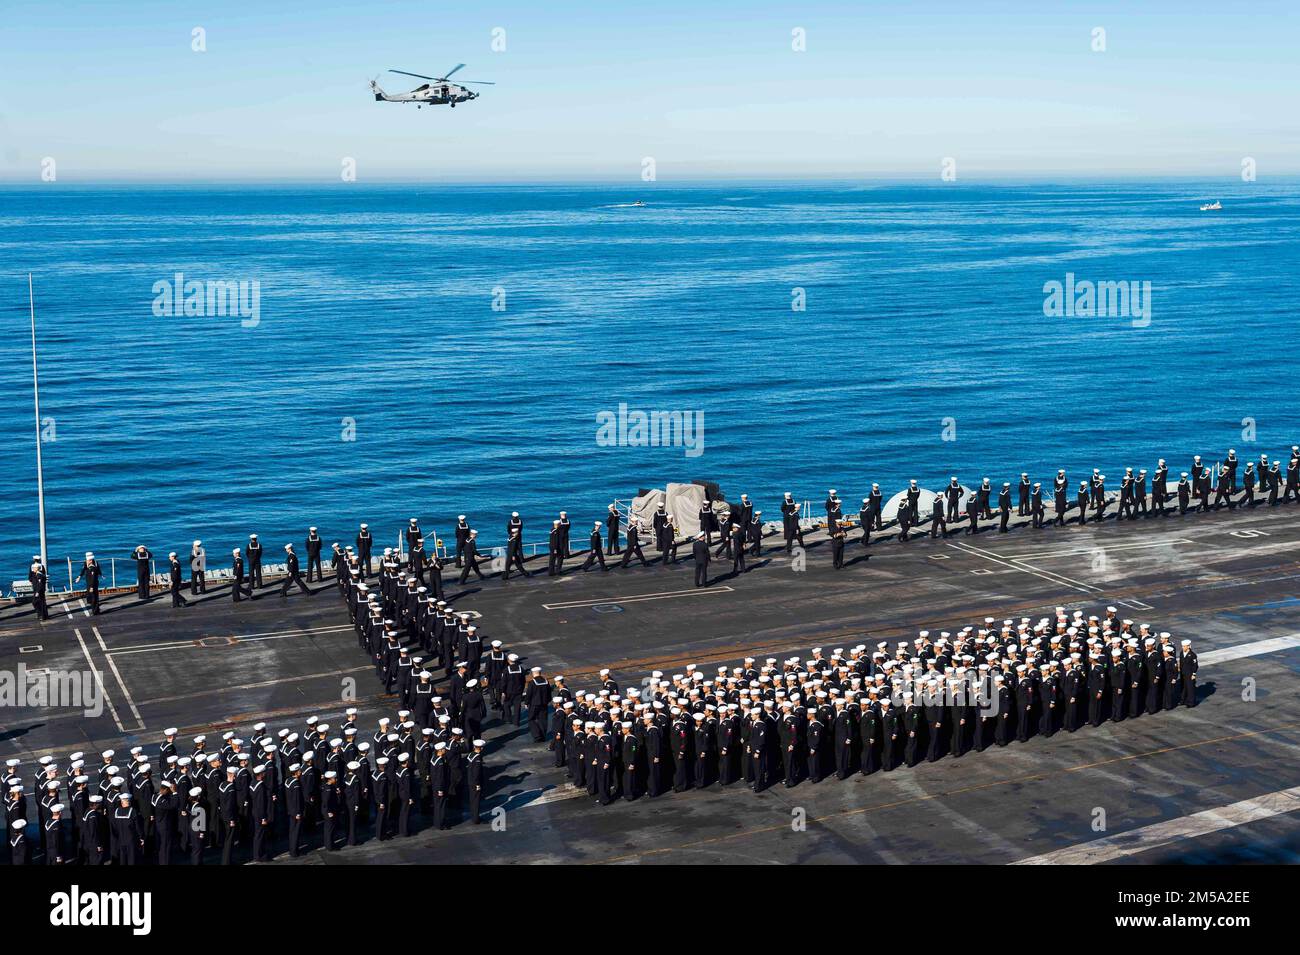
(1192, 491)
(739, 525)
(249, 794)
(796, 720)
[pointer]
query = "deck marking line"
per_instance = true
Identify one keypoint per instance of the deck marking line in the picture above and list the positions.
(112, 710)
(693, 592)
(126, 694)
(1134, 841)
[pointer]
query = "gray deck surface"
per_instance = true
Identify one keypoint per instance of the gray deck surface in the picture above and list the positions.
(1221, 579)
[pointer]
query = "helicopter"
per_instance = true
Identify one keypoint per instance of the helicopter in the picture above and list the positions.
(439, 91)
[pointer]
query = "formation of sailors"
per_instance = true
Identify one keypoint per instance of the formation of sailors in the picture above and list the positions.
(319, 787)
(865, 711)
(1205, 486)
(414, 637)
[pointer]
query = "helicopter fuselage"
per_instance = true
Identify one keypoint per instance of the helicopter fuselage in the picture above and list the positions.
(430, 94)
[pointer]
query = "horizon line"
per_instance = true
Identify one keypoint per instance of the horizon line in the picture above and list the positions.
(600, 180)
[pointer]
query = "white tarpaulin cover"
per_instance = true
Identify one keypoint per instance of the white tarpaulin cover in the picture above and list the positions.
(644, 506)
(924, 504)
(682, 501)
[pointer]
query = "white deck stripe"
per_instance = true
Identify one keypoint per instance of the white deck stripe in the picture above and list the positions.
(1124, 844)
(199, 644)
(126, 694)
(1047, 575)
(1049, 554)
(112, 710)
(693, 592)
(1273, 645)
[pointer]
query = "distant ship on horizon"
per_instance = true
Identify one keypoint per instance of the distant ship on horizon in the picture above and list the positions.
(1212, 206)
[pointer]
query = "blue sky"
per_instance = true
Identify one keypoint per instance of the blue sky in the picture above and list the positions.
(586, 90)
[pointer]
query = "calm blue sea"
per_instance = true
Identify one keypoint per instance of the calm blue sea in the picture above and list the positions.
(923, 303)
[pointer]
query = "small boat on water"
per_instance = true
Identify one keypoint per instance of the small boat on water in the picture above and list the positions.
(1212, 206)
(638, 203)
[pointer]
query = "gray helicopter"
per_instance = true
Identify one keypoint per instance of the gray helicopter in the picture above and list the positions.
(439, 91)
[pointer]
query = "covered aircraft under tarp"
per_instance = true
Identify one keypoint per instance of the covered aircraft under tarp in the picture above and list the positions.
(682, 501)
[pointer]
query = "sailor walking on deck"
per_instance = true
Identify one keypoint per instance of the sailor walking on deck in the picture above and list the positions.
(176, 578)
(291, 573)
(514, 556)
(594, 554)
(91, 572)
(470, 555)
(633, 548)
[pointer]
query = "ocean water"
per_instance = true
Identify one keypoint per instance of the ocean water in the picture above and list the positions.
(923, 349)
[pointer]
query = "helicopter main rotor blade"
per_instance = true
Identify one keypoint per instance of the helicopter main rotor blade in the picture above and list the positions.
(458, 66)
(476, 83)
(418, 76)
